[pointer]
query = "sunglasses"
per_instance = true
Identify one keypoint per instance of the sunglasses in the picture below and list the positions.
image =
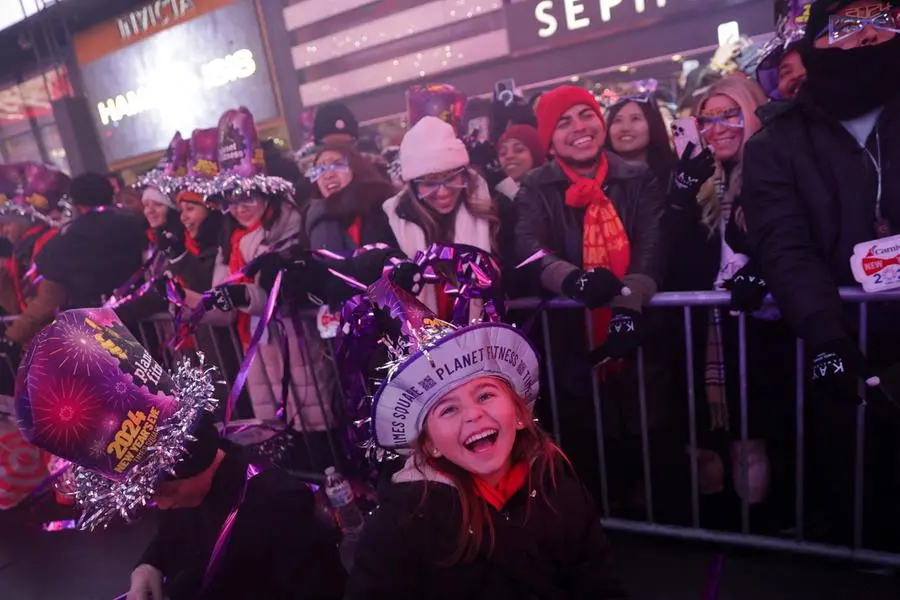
(316, 172)
(455, 181)
(732, 118)
(842, 27)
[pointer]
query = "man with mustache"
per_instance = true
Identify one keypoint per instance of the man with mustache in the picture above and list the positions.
(816, 184)
(596, 219)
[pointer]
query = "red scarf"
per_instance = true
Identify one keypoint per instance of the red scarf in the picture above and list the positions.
(151, 235)
(236, 263)
(355, 231)
(511, 483)
(190, 244)
(605, 242)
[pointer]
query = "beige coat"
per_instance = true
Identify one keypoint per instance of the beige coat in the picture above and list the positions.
(309, 405)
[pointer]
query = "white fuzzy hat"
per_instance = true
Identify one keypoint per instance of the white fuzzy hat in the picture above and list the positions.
(431, 146)
(154, 195)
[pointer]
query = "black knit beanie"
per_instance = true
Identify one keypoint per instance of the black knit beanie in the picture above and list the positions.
(91, 189)
(199, 454)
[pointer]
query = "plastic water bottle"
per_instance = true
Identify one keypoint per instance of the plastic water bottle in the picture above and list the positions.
(340, 496)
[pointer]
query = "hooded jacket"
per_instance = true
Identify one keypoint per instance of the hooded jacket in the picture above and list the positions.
(809, 198)
(552, 547)
(546, 223)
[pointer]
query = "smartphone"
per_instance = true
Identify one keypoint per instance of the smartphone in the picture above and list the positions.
(684, 132)
(505, 91)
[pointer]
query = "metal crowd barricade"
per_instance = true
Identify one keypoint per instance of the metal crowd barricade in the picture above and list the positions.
(687, 301)
(155, 330)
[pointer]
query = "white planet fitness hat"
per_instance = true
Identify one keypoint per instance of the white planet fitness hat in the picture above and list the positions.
(442, 358)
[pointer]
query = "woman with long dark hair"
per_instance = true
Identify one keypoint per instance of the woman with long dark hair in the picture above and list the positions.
(345, 210)
(637, 133)
(444, 201)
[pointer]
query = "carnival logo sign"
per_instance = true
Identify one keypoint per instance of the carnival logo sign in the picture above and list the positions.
(173, 82)
(152, 15)
(575, 17)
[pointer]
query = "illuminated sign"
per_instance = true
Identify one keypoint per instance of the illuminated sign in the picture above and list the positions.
(167, 86)
(180, 78)
(575, 17)
(152, 15)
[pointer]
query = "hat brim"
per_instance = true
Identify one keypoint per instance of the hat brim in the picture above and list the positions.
(401, 405)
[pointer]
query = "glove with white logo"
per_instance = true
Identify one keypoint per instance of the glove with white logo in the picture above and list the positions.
(407, 275)
(623, 338)
(593, 288)
(748, 291)
(227, 298)
(837, 368)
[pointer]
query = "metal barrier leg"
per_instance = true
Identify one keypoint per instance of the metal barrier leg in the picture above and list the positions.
(745, 467)
(220, 361)
(692, 416)
(859, 467)
(645, 436)
(598, 421)
(800, 441)
(551, 377)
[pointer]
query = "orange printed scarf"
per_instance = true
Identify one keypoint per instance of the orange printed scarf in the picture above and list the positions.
(605, 242)
(236, 263)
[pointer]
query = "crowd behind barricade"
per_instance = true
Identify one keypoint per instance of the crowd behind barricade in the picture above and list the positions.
(780, 183)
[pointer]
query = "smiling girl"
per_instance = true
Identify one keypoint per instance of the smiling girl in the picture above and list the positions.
(486, 505)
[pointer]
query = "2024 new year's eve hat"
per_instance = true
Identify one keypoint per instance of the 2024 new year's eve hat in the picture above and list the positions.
(88, 392)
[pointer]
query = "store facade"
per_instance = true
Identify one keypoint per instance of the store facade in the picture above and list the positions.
(472, 44)
(174, 65)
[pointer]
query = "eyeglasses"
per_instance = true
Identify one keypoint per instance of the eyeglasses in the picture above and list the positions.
(428, 187)
(732, 118)
(316, 172)
(842, 27)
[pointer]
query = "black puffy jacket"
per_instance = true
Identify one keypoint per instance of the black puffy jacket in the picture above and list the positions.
(545, 222)
(552, 550)
(809, 197)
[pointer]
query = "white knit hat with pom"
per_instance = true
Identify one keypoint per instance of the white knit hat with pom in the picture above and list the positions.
(431, 146)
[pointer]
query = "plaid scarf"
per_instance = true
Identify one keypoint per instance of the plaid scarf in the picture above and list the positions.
(605, 243)
(715, 348)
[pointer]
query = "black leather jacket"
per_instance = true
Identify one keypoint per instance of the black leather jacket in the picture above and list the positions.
(545, 222)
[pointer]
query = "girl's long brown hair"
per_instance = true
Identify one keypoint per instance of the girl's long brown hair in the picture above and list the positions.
(533, 446)
(481, 206)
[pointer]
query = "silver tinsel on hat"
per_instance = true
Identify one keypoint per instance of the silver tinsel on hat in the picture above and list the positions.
(231, 185)
(102, 498)
(10, 209)
(167, 184)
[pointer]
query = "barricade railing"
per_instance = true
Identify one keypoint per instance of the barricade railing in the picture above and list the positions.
(712, 299)
(154, 330)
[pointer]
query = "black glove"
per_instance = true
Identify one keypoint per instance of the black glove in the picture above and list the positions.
(267, 265)
(368, 267)
(594, 288)
(162, 285)
(748, 290)
(169, 244)
(227, 297)
(624, 336)
(690, 175)
(407, 275)
(837, 368)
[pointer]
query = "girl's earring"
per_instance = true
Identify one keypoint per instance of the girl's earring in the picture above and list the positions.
(519, 424)
(436, 453)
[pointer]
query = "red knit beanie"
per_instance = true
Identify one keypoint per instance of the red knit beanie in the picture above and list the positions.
(553, 105)
(528, 135)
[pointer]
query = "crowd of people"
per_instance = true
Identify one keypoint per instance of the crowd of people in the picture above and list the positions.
(790, 172)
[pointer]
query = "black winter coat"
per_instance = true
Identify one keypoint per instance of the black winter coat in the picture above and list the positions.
(809, 196)
(94, 254)
(545, 222)
(329, 231)
(544, 551)
(277, 550)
